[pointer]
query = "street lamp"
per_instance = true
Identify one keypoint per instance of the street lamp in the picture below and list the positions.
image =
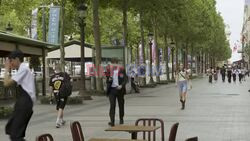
(150, 37)
(82, 13)
(172, 46)
(9, 28)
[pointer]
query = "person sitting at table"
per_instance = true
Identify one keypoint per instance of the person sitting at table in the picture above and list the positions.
(116, 82)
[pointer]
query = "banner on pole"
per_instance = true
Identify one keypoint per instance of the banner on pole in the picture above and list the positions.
(54, 25)
(34, 24)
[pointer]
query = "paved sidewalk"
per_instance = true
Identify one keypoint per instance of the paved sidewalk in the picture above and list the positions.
(214, 112)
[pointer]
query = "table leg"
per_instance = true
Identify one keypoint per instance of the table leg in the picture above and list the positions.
(133, 135)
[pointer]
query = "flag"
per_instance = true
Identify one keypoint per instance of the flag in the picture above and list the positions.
(34, 24)
(54, 24)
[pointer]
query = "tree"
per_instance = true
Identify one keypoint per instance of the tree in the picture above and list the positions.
(96, 26)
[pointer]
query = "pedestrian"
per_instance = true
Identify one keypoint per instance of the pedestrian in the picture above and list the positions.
(240, 74)
(229, 74)
(57, 82)
(215, 75)
(234, 73)
(210, 75)
(134, 84)
(23, 109)
(223, 73)
(181, 82)
(116, 89)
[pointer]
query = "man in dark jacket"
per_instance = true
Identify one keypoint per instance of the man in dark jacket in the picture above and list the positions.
(223, 73)
(116, 82)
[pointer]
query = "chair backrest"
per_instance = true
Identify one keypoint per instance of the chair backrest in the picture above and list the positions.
(192, 139)
(76, 131)
(151, 122)
(44, 137)
(173, 131)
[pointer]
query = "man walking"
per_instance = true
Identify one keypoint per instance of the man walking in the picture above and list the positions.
(56, 83)
(23, 109)
(116, 82)
(223, 73)
(229, 74)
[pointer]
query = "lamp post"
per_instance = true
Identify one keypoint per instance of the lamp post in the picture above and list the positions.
(82, 8)
(150, 37)
(9, 28)
(172, 45)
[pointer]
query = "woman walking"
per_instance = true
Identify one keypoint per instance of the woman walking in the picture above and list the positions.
(181, 81)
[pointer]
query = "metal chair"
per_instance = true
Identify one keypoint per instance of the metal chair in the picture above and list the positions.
(151, 122)
(192, 139)
(173, 131)
(76, 131)
(44, 137)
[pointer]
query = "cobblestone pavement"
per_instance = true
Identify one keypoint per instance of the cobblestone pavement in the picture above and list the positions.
(214, 112)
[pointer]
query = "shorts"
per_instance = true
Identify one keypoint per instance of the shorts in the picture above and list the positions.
(182, 86)
(61, 102)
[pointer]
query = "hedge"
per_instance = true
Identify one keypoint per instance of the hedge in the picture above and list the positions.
(71, 100)
(5, 112)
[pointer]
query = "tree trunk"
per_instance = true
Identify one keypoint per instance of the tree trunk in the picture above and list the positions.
(137, 55)
(125, 30)
(202, 62)
(197, 64)
(173, 70)
(99, 84)
(177, 57)
(143, 48)
(157, 60)
(166, 57)
(191, 63)
(186, 55)
(62, 60)
(205, 63)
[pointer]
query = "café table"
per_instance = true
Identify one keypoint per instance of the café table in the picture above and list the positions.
(133, 129)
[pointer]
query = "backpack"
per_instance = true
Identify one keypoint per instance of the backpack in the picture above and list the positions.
(66, 87)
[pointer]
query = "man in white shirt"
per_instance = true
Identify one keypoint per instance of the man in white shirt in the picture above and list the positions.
(23, 108)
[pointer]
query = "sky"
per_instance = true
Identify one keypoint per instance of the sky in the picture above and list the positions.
(232, 12)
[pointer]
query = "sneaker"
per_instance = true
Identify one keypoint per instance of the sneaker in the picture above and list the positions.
(58, 125)
(111, 124)
(63, 122)
(121, 122)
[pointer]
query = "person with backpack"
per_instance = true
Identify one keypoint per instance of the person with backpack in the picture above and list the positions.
(26, 95)
(61, 88)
